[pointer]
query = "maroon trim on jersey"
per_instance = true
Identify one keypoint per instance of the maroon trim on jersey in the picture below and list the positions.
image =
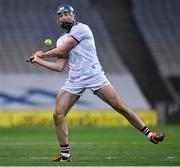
(74, 38)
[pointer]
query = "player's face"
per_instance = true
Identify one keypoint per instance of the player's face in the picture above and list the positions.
(65, 17)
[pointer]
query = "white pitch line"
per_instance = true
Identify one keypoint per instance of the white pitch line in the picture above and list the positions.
(171, 157)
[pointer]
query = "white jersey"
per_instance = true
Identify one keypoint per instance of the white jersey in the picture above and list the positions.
(85, 69)
(83, 59)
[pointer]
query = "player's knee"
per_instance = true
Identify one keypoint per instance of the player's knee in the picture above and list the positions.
(58, 116)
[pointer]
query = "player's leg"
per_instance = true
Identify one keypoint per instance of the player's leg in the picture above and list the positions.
(110, 96)
(64, 102)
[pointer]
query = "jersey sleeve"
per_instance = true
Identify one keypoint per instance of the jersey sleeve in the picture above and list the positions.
(79, 32)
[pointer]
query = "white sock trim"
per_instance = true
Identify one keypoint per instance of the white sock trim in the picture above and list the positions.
(149, 135)
(66, 155)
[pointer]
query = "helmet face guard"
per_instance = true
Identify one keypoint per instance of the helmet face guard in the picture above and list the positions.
(66, 8)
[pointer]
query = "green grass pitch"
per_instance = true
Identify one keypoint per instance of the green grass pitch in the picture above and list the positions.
(90, 146)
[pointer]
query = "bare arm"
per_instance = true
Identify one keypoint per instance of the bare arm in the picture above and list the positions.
(59, 52)
(57, 65)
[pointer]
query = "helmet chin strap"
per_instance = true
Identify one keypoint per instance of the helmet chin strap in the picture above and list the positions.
(67, 26)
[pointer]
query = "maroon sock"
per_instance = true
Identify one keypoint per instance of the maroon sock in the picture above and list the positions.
(65, 148)
(145, 131)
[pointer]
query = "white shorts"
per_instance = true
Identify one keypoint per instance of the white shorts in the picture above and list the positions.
(78, 87)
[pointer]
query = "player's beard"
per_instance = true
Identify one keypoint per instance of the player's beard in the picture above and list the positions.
(67, 25)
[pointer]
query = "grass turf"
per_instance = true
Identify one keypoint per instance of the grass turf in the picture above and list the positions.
(90, 146)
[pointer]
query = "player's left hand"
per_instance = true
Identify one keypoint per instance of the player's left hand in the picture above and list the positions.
(35, 59)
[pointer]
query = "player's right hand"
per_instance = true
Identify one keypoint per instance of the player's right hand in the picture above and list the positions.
(38, 54)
